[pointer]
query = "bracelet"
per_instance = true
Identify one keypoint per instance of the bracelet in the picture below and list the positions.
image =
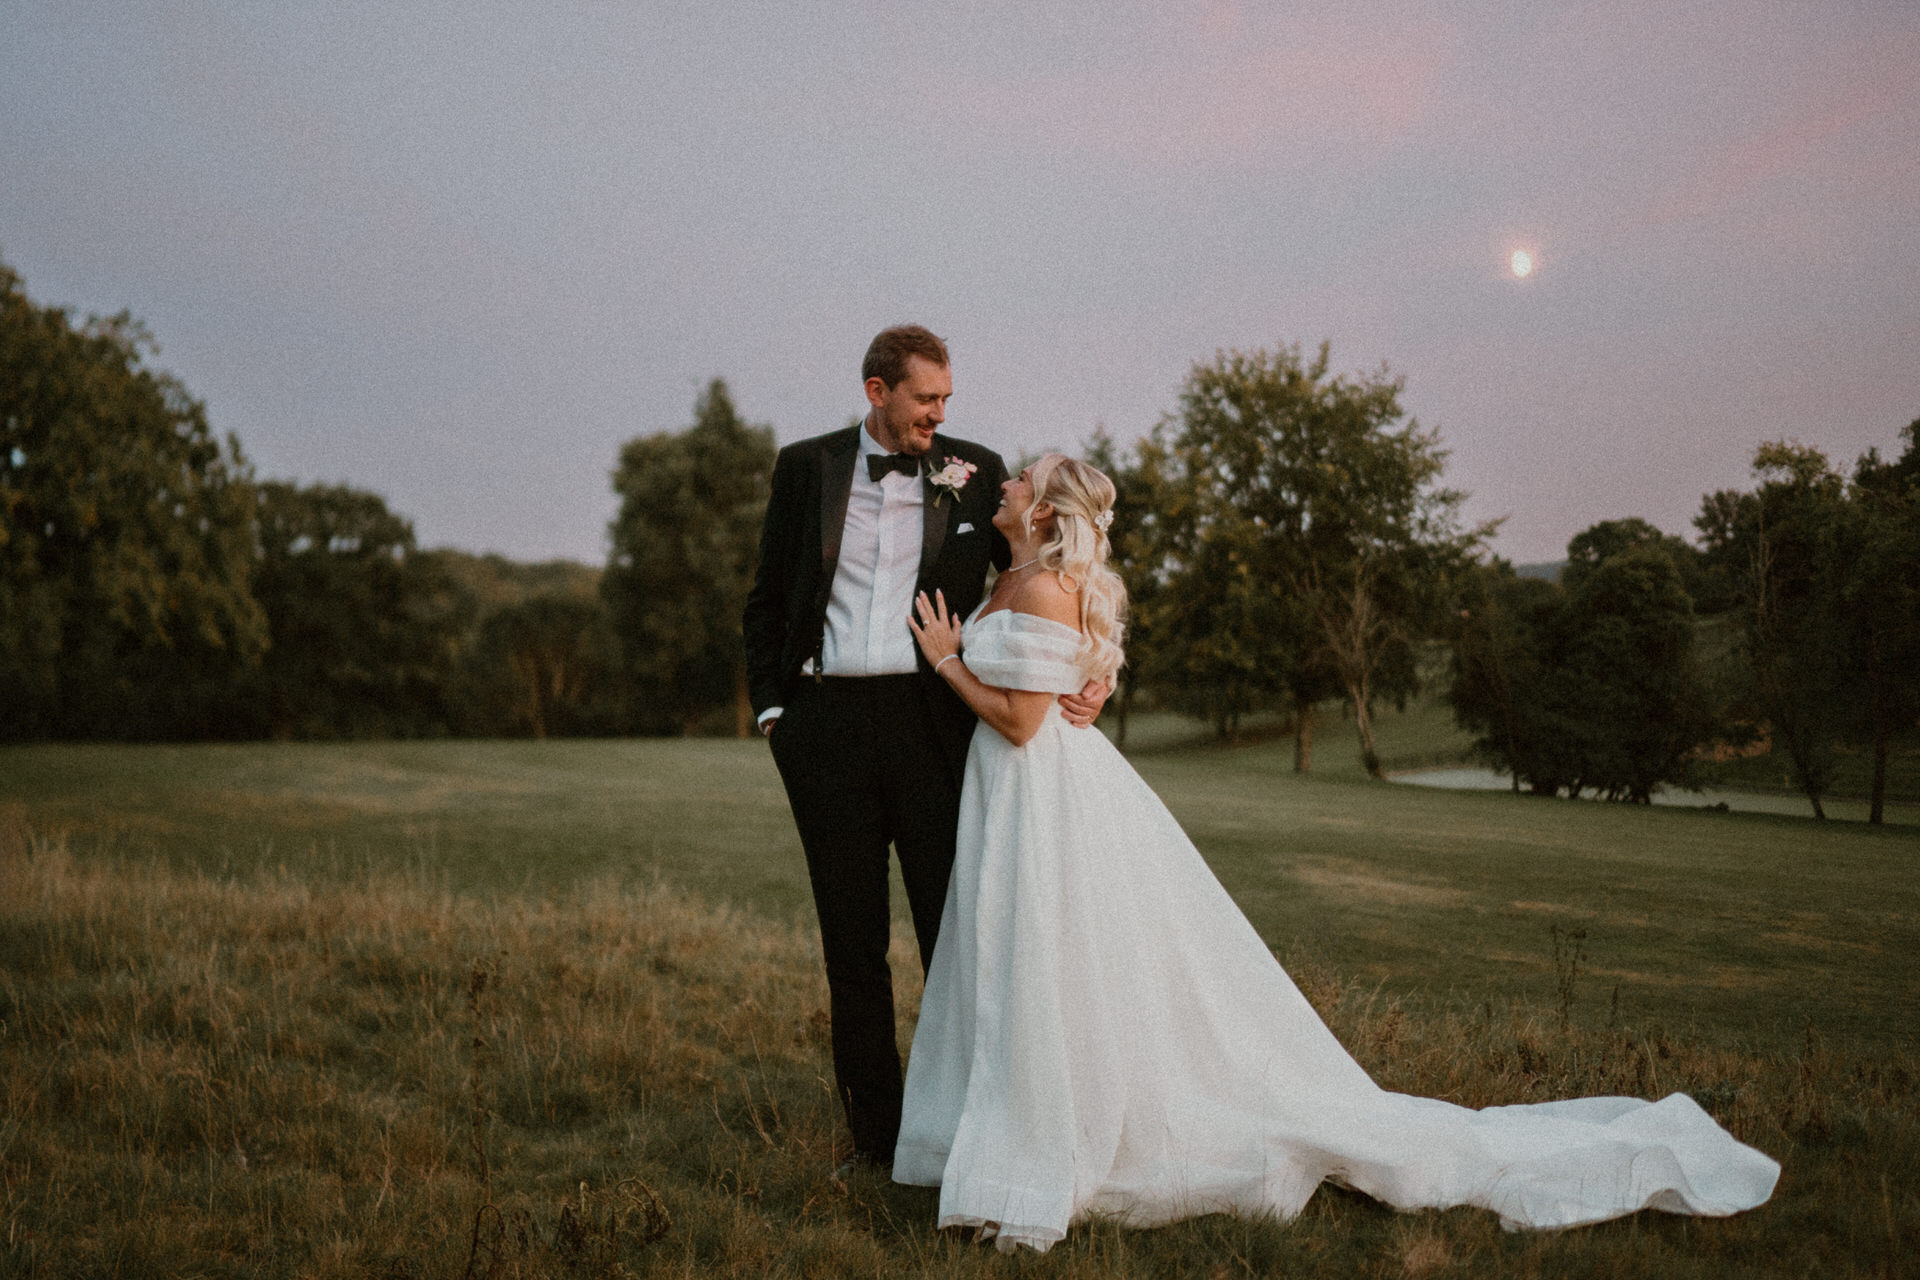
(949, 658)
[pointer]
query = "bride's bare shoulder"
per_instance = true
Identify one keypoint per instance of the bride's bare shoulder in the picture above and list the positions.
(1046, 596)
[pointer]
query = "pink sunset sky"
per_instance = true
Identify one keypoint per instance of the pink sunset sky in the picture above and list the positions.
(458, 253)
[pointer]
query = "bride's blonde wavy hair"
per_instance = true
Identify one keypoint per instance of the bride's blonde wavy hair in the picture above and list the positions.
(1077, 550)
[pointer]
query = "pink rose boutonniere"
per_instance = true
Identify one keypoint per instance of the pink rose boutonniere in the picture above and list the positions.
(951, 478)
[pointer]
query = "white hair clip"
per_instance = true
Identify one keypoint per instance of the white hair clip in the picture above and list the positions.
(1104, 520)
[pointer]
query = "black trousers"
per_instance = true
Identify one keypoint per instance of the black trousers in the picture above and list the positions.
(864, 770)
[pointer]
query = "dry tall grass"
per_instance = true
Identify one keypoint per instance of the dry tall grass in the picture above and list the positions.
(276, 1076)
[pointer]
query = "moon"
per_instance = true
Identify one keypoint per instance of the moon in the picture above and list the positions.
(1521, 264)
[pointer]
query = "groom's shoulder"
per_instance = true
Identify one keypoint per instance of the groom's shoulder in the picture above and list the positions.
(826, 442)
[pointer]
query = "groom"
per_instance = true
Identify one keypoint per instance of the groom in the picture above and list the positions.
(869, 742)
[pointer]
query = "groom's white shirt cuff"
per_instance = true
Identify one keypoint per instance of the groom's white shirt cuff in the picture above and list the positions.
(771, 713)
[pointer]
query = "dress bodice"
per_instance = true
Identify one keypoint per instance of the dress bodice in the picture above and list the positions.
(1012, 650)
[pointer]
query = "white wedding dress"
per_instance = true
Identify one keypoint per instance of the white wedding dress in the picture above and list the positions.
(1104, 1032)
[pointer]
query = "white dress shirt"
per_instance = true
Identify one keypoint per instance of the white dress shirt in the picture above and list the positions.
(873, 582)
(879, 566)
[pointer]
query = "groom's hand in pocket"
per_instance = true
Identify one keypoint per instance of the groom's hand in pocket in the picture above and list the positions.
(1083, 708)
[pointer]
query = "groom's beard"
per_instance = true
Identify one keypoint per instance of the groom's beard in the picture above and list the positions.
(913, 437)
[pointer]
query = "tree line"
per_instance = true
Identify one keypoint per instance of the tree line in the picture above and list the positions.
(1286, 535)
(1287, 540)
(1791, 630)
(153, 588)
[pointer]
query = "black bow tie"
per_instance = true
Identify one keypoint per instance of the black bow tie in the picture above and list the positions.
(878, 464)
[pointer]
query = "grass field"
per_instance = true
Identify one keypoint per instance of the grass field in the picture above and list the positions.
(251, 995)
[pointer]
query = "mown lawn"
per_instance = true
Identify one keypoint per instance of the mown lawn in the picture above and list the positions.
(243, 1033)
(1736, 927)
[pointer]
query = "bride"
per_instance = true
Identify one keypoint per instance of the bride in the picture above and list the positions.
(1104, 1032)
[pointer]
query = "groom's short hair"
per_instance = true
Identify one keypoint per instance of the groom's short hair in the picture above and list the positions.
(887, 355)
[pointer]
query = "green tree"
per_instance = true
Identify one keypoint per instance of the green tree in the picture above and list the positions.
(542, 658)
(495, 582)
(364, 625)
(1785, 548)
(1594, 686)
(1221, 638)
(683, 549)
(124, 534)
(546, 666)
(1881, 595)
(1642, 698)
(1593, 546)
(1507, 648)
(1310, 543)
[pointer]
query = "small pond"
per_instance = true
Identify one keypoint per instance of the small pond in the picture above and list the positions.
(1473, 779)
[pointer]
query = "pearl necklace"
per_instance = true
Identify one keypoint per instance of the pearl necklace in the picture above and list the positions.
(1017, 568)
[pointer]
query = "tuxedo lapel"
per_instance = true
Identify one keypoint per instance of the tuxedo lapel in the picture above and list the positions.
(836, 486)
(937, 512)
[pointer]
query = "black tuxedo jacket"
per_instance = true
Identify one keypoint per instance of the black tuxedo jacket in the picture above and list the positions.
(800, 547)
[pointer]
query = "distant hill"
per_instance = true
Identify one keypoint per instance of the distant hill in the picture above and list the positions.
(497, 582)
(1545, 570)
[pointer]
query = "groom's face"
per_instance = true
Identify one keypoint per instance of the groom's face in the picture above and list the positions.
(906, 415)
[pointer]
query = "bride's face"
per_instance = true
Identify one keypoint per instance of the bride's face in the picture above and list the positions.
(1016, 496)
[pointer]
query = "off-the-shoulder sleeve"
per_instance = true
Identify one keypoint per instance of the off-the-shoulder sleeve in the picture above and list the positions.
(1019, 651)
